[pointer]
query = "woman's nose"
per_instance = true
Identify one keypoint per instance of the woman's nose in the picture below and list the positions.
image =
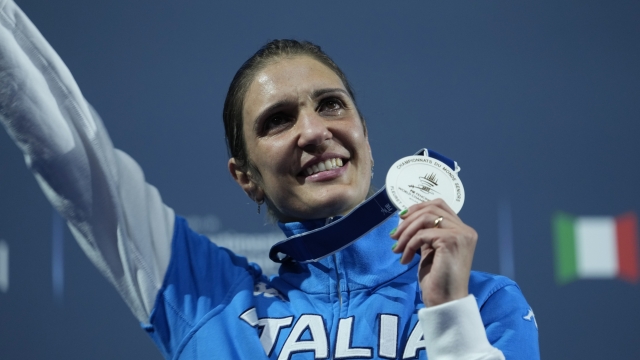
(313, 130)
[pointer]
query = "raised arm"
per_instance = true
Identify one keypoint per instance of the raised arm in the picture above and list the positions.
(117, 218)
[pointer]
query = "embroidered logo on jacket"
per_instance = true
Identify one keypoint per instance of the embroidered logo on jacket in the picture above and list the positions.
(530, 316)
(261, 288)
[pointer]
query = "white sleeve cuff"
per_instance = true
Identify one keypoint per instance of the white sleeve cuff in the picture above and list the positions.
(454, 330)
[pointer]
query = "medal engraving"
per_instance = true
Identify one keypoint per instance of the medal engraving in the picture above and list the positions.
(415, 179)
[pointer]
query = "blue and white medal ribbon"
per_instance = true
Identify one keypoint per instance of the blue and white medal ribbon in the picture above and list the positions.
(413, 179)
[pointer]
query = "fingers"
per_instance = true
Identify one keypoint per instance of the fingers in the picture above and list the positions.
(423, 219)
(437, 207)
(424, 237)
(435, 202)
(422, 216)
(419, 227)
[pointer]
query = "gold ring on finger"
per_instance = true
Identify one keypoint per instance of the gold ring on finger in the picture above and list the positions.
(437, 222)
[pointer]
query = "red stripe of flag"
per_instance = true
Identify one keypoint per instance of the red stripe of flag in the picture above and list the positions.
(627, 233)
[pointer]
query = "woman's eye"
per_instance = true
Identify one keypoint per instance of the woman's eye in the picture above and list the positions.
(275, 121)
(331, 105)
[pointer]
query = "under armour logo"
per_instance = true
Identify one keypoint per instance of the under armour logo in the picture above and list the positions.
(261, 288)
(530, 316)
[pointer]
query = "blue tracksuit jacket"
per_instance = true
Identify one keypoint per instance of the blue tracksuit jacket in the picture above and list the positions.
(358, 303)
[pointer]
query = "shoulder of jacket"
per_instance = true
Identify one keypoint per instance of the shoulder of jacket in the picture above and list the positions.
(482, 285)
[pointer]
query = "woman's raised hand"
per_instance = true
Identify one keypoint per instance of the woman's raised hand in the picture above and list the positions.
(446, 245)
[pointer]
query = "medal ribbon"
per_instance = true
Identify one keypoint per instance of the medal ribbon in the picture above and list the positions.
(315, 244)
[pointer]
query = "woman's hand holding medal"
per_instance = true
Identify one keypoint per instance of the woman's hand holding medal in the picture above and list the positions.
(427, 186)
(446, 245)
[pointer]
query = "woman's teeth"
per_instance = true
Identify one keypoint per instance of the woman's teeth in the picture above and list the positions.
(324, 166)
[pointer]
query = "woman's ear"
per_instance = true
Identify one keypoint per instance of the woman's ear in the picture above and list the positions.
(244, 179)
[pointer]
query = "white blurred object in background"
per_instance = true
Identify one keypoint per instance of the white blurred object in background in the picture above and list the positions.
(4, 266)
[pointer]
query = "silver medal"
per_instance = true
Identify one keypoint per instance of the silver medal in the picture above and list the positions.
(415, 179)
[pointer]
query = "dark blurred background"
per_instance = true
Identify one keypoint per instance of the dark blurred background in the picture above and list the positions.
(537, 101)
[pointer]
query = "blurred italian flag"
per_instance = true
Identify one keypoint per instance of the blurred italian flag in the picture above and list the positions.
(596, 247)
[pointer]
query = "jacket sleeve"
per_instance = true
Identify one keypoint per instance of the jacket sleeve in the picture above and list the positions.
(510, 323)
(117, 218)
(503, 326)
(454, 331)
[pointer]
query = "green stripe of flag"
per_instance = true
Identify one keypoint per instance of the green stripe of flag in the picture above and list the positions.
(565, 248)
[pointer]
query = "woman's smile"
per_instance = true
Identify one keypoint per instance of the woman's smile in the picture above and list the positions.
(325, 170)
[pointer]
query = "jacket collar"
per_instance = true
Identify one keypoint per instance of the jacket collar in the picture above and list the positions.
(365, 264)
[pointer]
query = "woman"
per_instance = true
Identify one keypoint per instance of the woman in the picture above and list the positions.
(298, 144)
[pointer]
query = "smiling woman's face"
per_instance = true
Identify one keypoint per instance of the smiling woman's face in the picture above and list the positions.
(304, 135)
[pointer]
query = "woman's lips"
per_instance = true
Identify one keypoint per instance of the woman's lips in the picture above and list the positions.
(328, 174)
(325, 165)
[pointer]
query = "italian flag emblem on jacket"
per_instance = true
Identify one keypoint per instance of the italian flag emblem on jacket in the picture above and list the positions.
(596, 247)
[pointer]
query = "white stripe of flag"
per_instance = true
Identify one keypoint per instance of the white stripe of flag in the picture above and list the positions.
(596, 247)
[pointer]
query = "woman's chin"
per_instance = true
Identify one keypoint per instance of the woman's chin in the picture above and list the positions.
(335, 204)
(320, 203)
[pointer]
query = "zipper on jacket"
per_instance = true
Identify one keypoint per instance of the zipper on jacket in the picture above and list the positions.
(335, 260)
